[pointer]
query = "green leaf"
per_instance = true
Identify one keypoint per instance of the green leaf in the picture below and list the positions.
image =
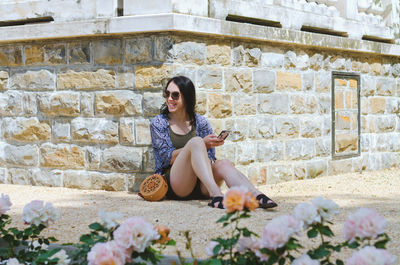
(321, 252)
(381, 244)
(339, 262)
(353, 245)
(312, 233)
(225, 218)
(325, 230)
(246, 232)
(171, 242)
(215, 262)
(86, 239)
(282, 261)
(96, 227)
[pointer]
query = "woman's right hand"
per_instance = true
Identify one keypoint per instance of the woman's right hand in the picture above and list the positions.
(212, 141)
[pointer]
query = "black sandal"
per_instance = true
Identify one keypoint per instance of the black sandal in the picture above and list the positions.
(265, 202)
(215, 199)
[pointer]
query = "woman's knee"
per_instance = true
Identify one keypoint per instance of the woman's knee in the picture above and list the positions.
(221, 166)
(197, 142)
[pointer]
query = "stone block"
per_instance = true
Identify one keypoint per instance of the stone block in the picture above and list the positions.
(93, 157)
(261, 128)
(368, 85)
(11, 103)
(188, 52)
(377, 105)
(246, 153)
(269, 151)
(84, 80)
(134, 181)
(253, 57)
(219, 105)
(226, 151)
(209, 78)
(108, 182)
(25, 155)
(87, 104)
(245, 105)
(138, 50)
(217, 125)
(33, 80)
(142, 132)
(317, 168)
(324, 104)
(30, 103)
(346, 143)
(79, 52)
(288, 81)
(343, 120)
(122, 159)
(125, 78)
(148, 159)
(94, 130)
(118, 103)
(365, 142)
(4, 176)
(127, 131)
(152, 103)
(273, 103)
(238, 56)
(279, 173)
(308, 81)
(11, 55)
(393, 105)
(59, 104)
(189, 71)
(77, 179)
(34, 54)
(317, 61)
(238, 80)
(162, 47)
(152, 77)
(264, 81)
(323, 146)
(43, 177)
(385, 87)
(62, 156)
(396, 70)
(61, 131)
(299, 171)
(299, 149)
(342, 166)
(383, 124)
(292, 60)
(300, 104)
(19, 176)
(311, 127)
(394, 143)
(219, 54)
(323, 82)
(271, 59)
(26, 129)
(390, 160)
(339, 100)
(257, 175)
(327, 122)
(107, 52)
(360, 163)
(287, 127)
(239, 129)
(375, 68)
(398, 87)
(3, 80)
(351, 100)
(201, 103)
(54, 54)
(374, 162)
(339, 64)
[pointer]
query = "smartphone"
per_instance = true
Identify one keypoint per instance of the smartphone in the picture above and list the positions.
(224, 134)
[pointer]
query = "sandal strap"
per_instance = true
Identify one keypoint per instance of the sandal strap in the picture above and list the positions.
(215, 199)
(265, 202)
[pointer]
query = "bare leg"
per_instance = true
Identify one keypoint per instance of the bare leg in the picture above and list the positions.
(192, 163)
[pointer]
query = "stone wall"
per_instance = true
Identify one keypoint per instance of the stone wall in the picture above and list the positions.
(76, 112)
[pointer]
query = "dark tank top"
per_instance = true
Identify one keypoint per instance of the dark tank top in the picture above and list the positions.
(179, 140)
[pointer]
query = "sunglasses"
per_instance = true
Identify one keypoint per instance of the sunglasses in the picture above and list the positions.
(174, 95)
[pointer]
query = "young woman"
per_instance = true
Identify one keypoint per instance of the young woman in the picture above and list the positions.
(184, 150)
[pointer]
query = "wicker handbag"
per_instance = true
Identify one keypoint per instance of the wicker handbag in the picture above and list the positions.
(153, 188)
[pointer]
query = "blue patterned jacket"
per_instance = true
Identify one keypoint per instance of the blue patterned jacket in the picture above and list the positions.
(162, 145)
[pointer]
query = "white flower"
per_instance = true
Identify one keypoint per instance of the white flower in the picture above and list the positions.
(307, 213)
(13, 262)
(210, 248)
(305, 260)
(37, 213)
(62, 256)
(109, 219)
(36, 244)
(5, 204)
(325, 207)
(371, 256)
(278, 231)
(246, 243)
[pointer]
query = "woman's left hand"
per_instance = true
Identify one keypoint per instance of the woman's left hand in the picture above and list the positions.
(212, 141)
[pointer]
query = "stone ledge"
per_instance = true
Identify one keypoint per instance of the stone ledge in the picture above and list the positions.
(193, 24)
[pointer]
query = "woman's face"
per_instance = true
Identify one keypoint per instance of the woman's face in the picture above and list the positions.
(174, 98)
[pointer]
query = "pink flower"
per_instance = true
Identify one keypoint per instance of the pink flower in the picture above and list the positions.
(371, 256)
(36, 212)
(5, 204)
(210, 248)
(307, 213)
(305, 260)
(137, 233)
(109, 253)
(279, 230)
(246, 243)
(364, 223)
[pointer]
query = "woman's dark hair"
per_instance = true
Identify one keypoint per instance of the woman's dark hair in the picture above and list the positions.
(188, 93)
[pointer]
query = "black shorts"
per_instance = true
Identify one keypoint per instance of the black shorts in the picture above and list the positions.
(196, 194)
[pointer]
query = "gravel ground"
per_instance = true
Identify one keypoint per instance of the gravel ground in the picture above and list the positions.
(79, 208)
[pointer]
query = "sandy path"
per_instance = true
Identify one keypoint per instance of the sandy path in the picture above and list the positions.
(78, 208)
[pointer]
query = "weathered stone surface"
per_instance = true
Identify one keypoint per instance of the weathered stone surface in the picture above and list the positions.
(201, 103)
(77, 179)
(271, 59)
(61, 131)
(398, 87)
(246, 153)
(87, 104)
(374, 161)
(239, 129)
(217, 125)
(25, 155)
(339, 166)
(109, 182)
(11, 103)
(19, 176)
(59, 103)
(375, 68)
(346, 143)
(264, 81)
(26, 129)
(62, 156)
(118, 103)
(360, 163)
(4, 176)
(308, 81)
(189, 71)
(279, 173)
(188, 52)
(252, 57)
(395, 70)
(317, 61)
(311, 127)
(125, 78)
(257, 175)
(323, 82)
(104, 79)
(238, 80)
(93, 157)
(327, 121)
(273, 103)
(219, 106)
(383, 124)
(152, 77)
(209, 78)
(33, 80)
(238, 56)
(269, 151)
(219, 54)
(142, 132)
(393, 105)
(292, 60)
(261, 128)
(385, 87)
(377, 105)
(343, 120)
(351, 99)
(390, 160)
(3, 80)
(107, 51)
(43, 177)
(323, 146)
(138, 50)
(54, 54)
(79, 52)
(34, 54)
(134, 181)
(148, 159)
(299, 149)
(120, 158)
(245, 105)
(286, 127)
(288, 81)
(162, 46)
(299, 171)
(368, 86)
(324, 104)
(94, 130)
(227, 151)
(317, 168)
(30, 103)
(365, 142)
(152, 103)
(300, 104)
(10, 55)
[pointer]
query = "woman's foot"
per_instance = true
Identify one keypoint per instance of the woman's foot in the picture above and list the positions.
(265, 202)
(216, 202)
